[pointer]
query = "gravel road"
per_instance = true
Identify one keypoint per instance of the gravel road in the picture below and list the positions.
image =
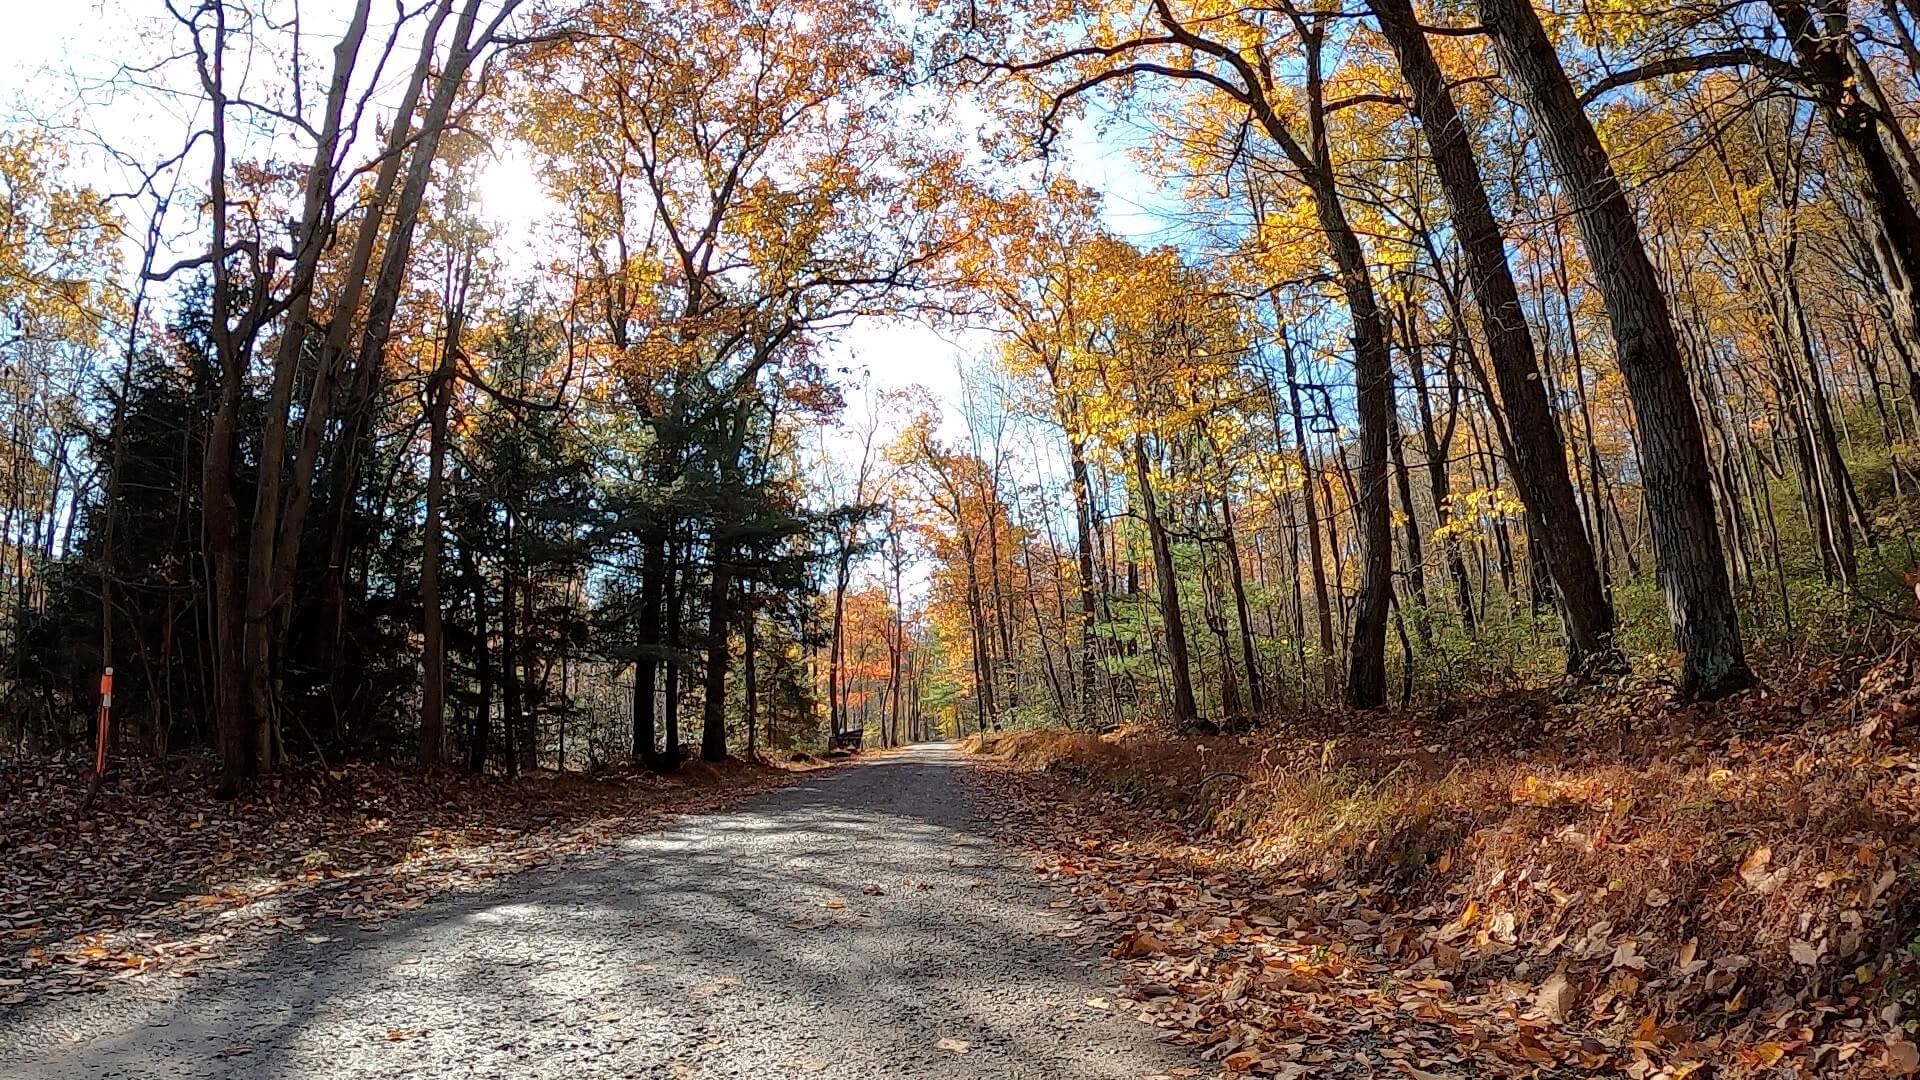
(838, 928)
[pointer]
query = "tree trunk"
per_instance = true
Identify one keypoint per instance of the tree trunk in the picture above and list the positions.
(675, 582)
(274, 546)
(1410, 529)
(647, 664)
(433, 690)
(510, 688)
(1679, 492)
(1538, 459)
(482, 731)
(750, 689)
(1186, 714)
(837, 646)
(433, 708)
(529, 700)
(232, 343)
(1435, 448)
(1089, 601)
(976, 626)
(1373, 388)
(1323, 605)
(1256, 688)
(713, 710)
(231, 717)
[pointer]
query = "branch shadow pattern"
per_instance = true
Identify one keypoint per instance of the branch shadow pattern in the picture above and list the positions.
(841, 927)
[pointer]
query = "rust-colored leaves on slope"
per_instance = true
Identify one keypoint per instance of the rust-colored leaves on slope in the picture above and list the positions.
(1289, 975)
(1609, 882)
(1287, 982)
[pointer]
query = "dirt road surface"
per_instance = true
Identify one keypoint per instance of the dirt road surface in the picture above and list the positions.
(859, 924)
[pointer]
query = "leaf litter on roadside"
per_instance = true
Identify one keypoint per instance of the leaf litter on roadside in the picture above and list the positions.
(159, 875)
(1732, 890)
(1291, 976)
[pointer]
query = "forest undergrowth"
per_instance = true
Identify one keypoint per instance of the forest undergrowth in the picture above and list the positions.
(1598, 881)
(157, 877)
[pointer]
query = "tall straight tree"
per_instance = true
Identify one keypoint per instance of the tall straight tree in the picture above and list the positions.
(1166, 586)
(439, 404)
(1679, 481)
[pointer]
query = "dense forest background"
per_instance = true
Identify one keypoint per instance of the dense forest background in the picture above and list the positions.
(1482, 346)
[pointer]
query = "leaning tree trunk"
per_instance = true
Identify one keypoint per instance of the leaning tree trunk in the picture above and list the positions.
(276, 530)
(1372, 366)
(1679, 481)
(1539, 461)
(1881, 176)
(313, 231)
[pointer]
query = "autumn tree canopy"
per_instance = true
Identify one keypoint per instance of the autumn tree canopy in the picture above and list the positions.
(1467, 345)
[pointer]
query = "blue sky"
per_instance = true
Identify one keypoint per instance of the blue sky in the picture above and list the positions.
(900, 353)
(48, 42)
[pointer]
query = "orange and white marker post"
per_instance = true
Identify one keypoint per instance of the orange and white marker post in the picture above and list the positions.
(106, 712)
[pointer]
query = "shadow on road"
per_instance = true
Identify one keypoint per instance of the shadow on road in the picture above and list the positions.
(840, 927)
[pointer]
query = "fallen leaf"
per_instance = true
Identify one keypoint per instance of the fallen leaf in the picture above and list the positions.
(1140, 943)
(1753, 870)
(1624, 956)
(1555, 997)
(1241, 1060)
